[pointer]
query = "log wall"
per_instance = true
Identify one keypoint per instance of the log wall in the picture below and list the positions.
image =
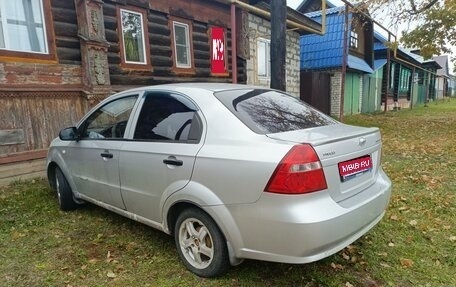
(160, 43)
(66, 32)
(37, 99)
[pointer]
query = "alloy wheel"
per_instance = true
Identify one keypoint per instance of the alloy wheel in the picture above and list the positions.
(196, 243)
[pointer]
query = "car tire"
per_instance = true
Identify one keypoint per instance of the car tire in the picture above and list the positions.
(200, 243)
(64, 192)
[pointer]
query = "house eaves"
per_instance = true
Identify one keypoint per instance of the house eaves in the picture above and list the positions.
(294, 16)
(295, 21)
(358, 64)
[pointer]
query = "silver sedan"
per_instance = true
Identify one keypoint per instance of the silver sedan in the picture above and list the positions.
(231, 171)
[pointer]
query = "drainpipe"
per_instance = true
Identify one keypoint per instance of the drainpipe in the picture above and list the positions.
(388, 69)
(427, 84)
(290, 23)
(412, 87)
(233, 45)
(344, 66)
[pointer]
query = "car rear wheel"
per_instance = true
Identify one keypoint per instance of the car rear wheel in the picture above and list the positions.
(200, 244)
(64, 192)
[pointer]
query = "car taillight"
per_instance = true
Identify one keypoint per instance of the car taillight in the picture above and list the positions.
(300, 171)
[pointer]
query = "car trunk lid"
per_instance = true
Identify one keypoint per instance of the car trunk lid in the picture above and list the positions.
(344, 152)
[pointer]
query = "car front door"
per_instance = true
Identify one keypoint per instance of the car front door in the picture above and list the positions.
(94, 159)
(161, 151)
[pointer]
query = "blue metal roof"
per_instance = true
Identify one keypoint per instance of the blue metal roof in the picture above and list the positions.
(379, 41)
(378, 46)
(379, 37)
(379, 63)
(358, 64)
(320, 52)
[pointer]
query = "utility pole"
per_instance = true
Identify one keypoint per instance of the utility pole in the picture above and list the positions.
(278, 44)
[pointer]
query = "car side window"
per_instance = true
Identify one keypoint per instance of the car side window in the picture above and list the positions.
(109, 121)
(168, 117)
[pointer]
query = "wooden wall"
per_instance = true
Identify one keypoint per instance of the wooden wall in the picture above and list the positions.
(37, 100)
(160, 45)
(38, 116)
(66, 32)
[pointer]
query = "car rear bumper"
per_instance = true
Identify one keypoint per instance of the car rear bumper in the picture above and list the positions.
(306, 228)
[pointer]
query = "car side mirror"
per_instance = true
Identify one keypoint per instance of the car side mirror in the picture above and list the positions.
(69, 134)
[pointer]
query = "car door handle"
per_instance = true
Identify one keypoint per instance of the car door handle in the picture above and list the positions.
(173, 161)
(106, 155)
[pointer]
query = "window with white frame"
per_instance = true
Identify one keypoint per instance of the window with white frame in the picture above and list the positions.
(264, 58)
(22, 26)
(392, 75)
(134, 45)
(353, 39)
(182, 46)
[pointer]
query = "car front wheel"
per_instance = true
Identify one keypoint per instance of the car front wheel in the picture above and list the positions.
(64, 192)
(200, 244)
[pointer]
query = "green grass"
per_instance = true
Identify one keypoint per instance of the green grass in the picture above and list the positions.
(414, 245)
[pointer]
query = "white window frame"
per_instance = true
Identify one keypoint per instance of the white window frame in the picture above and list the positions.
(187, 45)
(143, 38)
(393, 70)
(4, 22)
(267, 58)
(354, 39)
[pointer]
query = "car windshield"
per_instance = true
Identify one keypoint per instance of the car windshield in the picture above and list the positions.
(268, 111)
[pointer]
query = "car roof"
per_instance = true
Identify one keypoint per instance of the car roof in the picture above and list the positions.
(213, 87)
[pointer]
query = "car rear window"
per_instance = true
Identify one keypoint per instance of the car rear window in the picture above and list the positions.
(267, 111)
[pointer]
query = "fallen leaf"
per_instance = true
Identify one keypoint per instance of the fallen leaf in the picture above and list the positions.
(351, 249)
(406, 262)
(83, 267)
(348, 284)
(391, 244)
(394, 217)
(345, 256)
(452, 238)
(413, 222)
(93, 261)
(382, 254)
(337, 266)
(111, 274)
(385, 265)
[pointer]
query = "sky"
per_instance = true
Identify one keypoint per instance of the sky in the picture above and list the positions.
(295, 3)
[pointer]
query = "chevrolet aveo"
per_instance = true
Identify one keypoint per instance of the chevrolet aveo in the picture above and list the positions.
(231, 171)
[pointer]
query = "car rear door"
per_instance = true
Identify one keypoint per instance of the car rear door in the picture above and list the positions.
(161, 152)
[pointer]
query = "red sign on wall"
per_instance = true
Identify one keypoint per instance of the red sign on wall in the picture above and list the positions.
(218, 51)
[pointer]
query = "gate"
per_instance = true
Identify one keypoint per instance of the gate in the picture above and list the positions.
(315, 90)
(352, 94)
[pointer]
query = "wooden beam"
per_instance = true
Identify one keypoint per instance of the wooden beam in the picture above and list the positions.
(12, 137)
(23, 156)
(278, 44)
